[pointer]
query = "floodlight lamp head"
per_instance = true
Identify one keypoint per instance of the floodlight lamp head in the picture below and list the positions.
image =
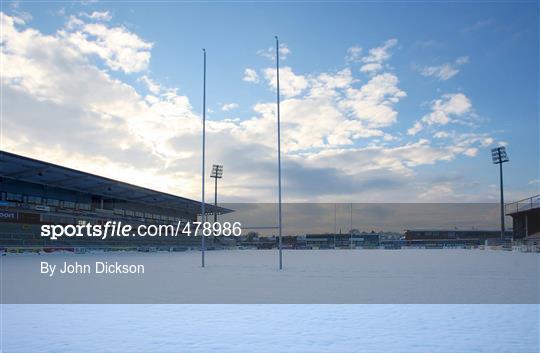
(498, 155)
(217, 171)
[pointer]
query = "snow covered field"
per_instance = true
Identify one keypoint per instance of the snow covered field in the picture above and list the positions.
(309, 277)
(271, 328)
(340, 276)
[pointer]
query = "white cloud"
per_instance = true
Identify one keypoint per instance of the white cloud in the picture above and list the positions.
(400, 159)
(284, 51)
(444, 110)
(270, 52)
(374, 101)
(381, 53)
(328, 111)
(449, 105)
(440, 134)
(329, 85)
(445, 71)
(371, 67)
(417, 127)
(471, 152)
(98, 16)
(308, 123)
(229, 106)
(118, 47)
(373, 62)
(150, 84)
(43, 71)
(250, 75)
(290, 83)
(353, 54)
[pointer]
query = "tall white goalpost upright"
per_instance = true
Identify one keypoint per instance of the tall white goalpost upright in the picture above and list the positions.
(279, 157)
(203, 153)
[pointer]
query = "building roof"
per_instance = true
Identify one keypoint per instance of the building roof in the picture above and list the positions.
(457, 230)
(17, 167)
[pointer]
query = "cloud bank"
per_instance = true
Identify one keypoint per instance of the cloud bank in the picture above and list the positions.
(65, 102)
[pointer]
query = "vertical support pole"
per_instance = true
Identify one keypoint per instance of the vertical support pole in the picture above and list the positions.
(335, 224)
(203, 215)
(279, 157)
(335, 218)
(502, 197)
(350, 230)
(526, 226)
(215, 200)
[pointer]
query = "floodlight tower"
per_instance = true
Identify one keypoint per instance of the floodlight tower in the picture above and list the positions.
(217, 173)
(499, 157)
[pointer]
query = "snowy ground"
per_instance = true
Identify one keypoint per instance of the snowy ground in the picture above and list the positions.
(309, 277)
(341, 276)
(271, 328)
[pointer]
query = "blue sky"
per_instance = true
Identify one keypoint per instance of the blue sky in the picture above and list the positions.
(465, 74)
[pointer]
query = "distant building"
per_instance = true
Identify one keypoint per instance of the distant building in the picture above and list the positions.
(446, 237)
(330, 241)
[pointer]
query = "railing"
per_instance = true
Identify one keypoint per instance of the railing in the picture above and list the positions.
(522, 205)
